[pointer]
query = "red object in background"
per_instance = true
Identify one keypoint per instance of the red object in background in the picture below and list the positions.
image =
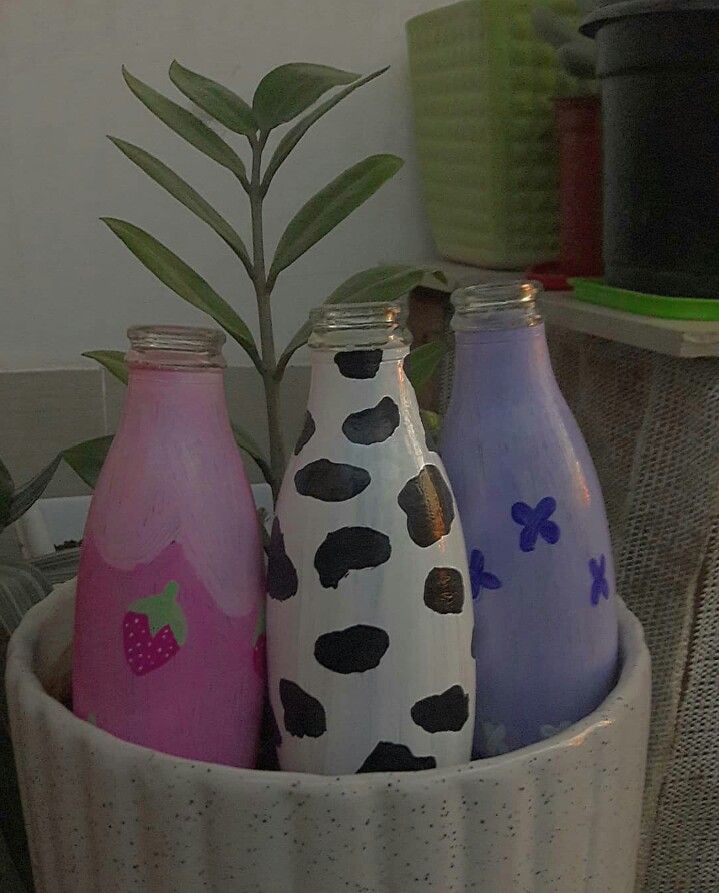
(579, 131)
(579, 135)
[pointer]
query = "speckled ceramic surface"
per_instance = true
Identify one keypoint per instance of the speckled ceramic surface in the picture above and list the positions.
(558, 817)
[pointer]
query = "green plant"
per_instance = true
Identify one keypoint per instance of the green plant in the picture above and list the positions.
(21, 584)
(576, 53)
(289, 94)
(15, 501)
(21, 587)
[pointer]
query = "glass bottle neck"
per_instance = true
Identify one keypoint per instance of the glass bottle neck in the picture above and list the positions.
(351, 327)
(175, 379)
(175, 347)
(498, 307)
(165, 397)
(504, 319)
(501, 367)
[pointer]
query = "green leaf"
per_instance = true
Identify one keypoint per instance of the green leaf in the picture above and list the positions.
(178, 624)
(288, 90)
(186, 195)
(112, 360)
(295, 134)
(225, 106)
(246, 442)
(385, 283)
(187, 125)
(432, 422)
(28, 494)
(86, 459)
(162, 610)
(433, 278)
(6, 490)
(183, 280)
(329, 207)
(422, 362)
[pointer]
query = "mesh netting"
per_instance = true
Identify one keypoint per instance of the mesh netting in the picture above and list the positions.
(652, 425)
(685, 846)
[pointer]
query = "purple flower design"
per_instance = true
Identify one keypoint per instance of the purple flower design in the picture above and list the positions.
(536, 523)
(600, 586)
(479, 577)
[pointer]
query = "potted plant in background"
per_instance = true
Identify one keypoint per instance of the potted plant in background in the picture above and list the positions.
(281, 97)
(482, 85)
(21, 587)
(577, 119)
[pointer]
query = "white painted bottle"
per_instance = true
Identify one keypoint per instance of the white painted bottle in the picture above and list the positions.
(369, 617)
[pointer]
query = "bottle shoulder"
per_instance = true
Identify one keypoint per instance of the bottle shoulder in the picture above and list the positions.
(531, 414)
(541, 437)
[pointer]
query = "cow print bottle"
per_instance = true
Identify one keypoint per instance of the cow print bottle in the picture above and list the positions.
(540, 558)
(369, 616)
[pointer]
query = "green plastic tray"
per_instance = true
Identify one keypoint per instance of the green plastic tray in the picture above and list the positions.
(594, 291)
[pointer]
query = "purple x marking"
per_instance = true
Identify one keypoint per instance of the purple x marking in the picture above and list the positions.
(479, 577)
(536, 523)
(600, 586)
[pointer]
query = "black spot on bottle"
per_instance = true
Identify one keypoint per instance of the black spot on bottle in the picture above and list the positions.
(281, 574)
(308, 429)
(353, 650)
(373, 425)
(427, 501)
(331, 481)
(447, 712)
(444, 590)
(389, 757)
(347, 549)
(304, 715)
(358, 363)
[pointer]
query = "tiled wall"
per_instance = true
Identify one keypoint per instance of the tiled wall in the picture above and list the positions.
(47, 410)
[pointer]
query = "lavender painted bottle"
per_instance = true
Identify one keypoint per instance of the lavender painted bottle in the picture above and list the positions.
(535, 527)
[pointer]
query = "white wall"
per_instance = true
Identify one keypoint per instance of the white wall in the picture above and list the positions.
(67, 284)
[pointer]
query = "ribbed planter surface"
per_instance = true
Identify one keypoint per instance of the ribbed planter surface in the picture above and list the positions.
(104, 815)
(482, 88)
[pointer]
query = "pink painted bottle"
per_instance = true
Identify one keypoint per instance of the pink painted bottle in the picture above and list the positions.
(169, 648)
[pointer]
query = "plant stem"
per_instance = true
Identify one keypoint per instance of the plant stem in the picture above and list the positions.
(264, 311)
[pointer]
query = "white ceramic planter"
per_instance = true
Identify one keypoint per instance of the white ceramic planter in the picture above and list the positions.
(103, 815)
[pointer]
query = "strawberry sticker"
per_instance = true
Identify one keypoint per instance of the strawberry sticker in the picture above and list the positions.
(153, 630)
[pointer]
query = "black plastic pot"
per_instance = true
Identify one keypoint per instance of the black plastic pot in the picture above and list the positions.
(659, 65)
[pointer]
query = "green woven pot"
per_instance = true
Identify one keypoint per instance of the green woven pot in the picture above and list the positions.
(482, 87)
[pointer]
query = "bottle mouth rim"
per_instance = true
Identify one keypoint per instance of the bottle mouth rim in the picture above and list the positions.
(493, 296)
(175, 347)
(348, 326)
(184, 339)
(377, 309)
